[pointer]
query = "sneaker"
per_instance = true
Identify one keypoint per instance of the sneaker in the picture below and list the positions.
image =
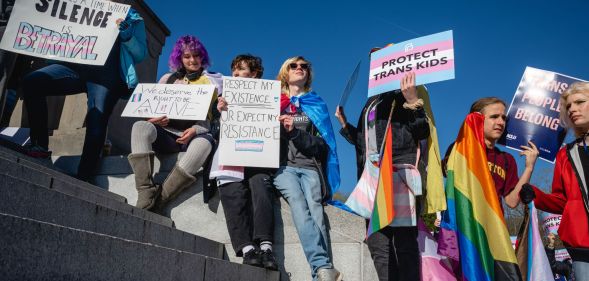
(252, 258)
(329, 274)
(268, 260)
(36, 151)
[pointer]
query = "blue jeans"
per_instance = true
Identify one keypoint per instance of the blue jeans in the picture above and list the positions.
(581, 270)
(302, 190)
(103, 89)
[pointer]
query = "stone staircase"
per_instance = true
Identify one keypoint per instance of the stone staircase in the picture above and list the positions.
(190, 214)
(54, 227)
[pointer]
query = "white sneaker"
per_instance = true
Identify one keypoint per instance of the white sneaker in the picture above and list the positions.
(329, 274)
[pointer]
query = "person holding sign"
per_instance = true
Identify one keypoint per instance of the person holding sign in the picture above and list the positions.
(188, 62)
(394, 249)
(569, 195)
(307, 153)
(247, 203)
(501, 164)
(104, 86)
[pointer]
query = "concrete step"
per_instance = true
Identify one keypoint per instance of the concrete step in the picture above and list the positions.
(190, 214)
(24, 199)
(35, 250)
(46, 167)
(54, 181)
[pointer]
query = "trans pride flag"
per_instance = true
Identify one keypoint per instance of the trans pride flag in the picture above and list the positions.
(531, 255)
(384, 211)
(474, 218)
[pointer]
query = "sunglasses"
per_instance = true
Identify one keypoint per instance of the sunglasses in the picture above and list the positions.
(303, 66)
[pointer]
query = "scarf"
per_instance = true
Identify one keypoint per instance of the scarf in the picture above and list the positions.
(316, 109)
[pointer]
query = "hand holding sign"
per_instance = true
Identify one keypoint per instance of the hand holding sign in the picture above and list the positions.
(341, 116)
(160, 121)
(125, 30)
(408, 87)
(531, 152)
(221, 104)
(287, 121)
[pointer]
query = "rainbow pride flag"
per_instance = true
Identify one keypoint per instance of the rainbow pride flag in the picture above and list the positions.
(474, 213)
(530, 252)
(383, 211)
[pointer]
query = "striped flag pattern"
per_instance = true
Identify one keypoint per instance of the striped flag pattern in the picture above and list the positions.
(530, 252)
(383, 211)
(474, 212)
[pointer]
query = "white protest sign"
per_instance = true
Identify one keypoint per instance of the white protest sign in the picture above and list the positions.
(176, 101)
(77, 31)
(250, 130)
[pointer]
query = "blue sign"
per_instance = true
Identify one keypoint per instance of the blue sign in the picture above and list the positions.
(534, 112)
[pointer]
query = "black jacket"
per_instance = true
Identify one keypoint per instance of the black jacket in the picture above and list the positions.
(409, 127)
(5, 10)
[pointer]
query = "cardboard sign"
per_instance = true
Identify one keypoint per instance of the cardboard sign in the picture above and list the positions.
(431, 58)
(77, 31)
(534, 112)
(176, 101)
(250, 130)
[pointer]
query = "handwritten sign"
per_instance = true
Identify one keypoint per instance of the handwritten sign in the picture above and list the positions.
(534, 112)
(77, 31)
(431, 58)
(177, 101)
(250, 130)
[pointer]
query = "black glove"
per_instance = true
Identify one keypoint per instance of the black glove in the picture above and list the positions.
(527, 193)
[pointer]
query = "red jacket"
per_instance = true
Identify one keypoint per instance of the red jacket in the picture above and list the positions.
(566, 199)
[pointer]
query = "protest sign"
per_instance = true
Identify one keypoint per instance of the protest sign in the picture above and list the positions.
(534, 112)
(561, 254)
(250, 130)
(176, 101)
(551, 222)
(431, 58)
(350, 85)
(77, 31)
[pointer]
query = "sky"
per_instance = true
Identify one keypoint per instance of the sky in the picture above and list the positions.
(494, 41)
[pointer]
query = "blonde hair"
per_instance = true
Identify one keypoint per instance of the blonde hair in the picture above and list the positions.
(283, 73)
(575, 88)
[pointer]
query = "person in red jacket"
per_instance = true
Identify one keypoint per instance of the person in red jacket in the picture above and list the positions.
(569, 184)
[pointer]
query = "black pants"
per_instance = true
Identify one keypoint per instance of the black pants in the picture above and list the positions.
(249, 209)
(395, 253)
(7, 63)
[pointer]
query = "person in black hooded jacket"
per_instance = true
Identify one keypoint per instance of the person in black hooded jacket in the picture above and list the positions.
(394, 250)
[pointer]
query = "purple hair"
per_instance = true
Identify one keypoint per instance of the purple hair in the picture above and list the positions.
(191, 43)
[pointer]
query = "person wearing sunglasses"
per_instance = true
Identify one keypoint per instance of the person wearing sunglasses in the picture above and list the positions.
(247, 192)
(309, 169)
(188, 62)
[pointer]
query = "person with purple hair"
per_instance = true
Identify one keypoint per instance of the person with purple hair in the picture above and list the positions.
(188, 63)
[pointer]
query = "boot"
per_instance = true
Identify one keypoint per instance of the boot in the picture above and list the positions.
(147, 190)
(177, 180)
